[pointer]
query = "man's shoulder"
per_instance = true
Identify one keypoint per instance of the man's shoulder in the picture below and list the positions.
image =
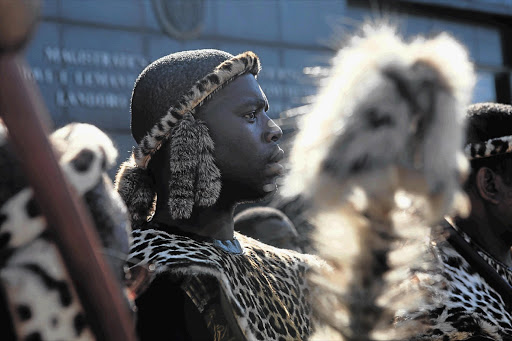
(258, 279)
(468, 291)
(156, 246)
(159, 248)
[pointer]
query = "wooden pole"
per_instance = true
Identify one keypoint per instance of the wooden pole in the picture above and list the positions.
(27, 120)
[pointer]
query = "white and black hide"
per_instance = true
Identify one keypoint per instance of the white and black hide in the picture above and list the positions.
(39, 300)
(380, 157)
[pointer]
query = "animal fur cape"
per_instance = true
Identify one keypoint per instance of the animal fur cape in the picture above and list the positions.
(265, 286)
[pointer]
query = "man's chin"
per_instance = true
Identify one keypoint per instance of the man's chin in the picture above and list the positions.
(262, 194)
(255, 192)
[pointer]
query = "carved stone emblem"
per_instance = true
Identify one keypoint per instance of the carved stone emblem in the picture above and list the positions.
(181, 19)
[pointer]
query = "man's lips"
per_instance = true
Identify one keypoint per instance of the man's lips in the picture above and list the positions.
(273, 168)
(277, 156)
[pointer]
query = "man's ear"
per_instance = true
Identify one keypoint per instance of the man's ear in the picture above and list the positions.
(487, 185)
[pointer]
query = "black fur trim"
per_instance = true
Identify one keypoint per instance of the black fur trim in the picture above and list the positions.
(208, 183)
(136, 188)
(183, 166)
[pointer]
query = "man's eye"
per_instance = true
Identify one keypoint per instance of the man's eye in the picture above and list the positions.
(250, 116)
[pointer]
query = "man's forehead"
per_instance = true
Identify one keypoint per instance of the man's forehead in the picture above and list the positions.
(242, 90)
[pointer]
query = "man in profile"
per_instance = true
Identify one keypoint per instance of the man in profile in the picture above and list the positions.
(474, 300)
(206, 144)
(477, 258)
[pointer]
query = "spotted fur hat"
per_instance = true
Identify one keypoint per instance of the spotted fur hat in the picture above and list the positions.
(163, 105)
(489, 130)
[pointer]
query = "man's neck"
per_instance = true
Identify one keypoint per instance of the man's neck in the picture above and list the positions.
(214, 222)
(483, 232)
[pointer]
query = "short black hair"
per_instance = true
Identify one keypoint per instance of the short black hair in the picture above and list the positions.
(485, 121)
(250, 215)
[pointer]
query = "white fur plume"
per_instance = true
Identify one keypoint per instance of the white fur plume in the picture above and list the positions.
(358, 124)
(380, 157)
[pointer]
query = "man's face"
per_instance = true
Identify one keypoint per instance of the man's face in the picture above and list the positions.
(504, 208)
(245, 138)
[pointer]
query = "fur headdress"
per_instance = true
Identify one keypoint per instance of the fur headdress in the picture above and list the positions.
(489, 132)
(163, 105)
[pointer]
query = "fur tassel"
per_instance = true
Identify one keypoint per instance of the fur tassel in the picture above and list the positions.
(136, 188)
(208, 183)
(183, 160)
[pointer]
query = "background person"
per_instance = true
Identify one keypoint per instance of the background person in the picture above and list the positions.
(269, 226)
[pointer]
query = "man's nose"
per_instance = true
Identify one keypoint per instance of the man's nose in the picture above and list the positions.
(274, 133)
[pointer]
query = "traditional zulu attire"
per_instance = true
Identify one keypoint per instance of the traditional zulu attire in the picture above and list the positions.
(221, 290)
(261, 288)
(477, 295)
(476, 300)
(38, 300)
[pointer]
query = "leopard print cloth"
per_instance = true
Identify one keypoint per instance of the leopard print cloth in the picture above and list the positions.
(265, 286)
(470, 308)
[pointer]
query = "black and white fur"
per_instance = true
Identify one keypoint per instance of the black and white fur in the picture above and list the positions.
(385, 133)
(41, 301)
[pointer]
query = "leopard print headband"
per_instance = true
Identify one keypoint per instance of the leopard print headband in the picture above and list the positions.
(492, 147)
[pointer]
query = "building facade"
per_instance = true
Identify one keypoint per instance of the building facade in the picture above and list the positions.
(86, 55)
